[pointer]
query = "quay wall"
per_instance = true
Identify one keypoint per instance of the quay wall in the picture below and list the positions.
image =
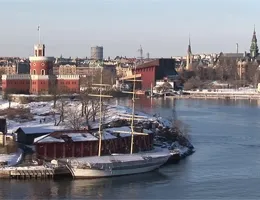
(216, 95)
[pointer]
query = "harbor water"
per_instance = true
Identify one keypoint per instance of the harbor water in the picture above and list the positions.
(226, 164)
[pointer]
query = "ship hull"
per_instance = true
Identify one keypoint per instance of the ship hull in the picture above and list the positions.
(121, 165)
(92, 173)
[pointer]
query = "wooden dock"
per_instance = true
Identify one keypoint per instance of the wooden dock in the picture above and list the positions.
(32, 174)
(27, 173)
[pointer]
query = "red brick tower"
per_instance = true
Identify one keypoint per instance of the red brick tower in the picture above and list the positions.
(41, 79)
(41, 68)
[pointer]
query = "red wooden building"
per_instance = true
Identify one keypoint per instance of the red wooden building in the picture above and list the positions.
(81, 143)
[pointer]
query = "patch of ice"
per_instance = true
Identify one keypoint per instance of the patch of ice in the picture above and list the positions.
(12, 159)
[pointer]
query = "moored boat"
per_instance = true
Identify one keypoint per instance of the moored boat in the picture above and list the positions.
(118, 165)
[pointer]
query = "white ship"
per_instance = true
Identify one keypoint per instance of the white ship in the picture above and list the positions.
(118, 164)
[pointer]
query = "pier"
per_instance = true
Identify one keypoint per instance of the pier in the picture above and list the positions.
(27, 173)
(217, 95)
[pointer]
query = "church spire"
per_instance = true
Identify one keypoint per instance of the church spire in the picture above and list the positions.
(254, 47)
(189, 57)
(189, 46)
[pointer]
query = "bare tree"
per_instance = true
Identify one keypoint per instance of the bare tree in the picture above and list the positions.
(94, 108)
(61, 109)
(57, 93)
(192, 83)
(54, 91)
(183, 128)
(54, 118)
(8, 95)
(251, 71)
(210, 73)
(104, 111)
(74, 119)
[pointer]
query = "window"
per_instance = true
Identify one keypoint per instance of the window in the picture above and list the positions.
(39, 52)
(34, 72)
(42, 72)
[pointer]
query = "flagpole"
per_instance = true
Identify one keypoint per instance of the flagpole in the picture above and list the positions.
(39, 30)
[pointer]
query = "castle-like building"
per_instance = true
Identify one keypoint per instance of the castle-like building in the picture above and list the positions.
(41, 79)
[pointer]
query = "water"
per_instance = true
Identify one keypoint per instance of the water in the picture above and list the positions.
(226, 164)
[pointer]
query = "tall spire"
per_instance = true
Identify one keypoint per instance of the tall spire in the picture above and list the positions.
(189, 57)
(189, 46)
(254, 47)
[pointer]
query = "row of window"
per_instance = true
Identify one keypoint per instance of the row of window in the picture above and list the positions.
(19, 82)
(66, 90)
(34, 82)
(42, 82)
(148, 69)
(42, 72)
(68, 83)
(42, 64)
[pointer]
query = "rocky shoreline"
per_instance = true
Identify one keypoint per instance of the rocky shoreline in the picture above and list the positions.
(167, 135)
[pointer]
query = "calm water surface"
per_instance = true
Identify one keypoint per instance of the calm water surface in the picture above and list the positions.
(226, 165)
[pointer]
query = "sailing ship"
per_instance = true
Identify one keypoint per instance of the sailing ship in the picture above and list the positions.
(118, 164)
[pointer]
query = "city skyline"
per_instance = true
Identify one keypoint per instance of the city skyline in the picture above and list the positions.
(161, 27)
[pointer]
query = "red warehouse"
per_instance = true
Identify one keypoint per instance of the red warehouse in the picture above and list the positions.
(152, 71)
(81, 143)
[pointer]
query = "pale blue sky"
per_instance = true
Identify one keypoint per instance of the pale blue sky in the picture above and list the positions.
(71, 27)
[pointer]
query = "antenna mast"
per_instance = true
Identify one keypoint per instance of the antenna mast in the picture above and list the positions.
(148, 56)
(141, 54)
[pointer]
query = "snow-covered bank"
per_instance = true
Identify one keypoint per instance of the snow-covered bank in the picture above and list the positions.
(44, 117)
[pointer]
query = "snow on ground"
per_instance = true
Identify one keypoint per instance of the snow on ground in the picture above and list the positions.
(37, 108)
(12, 159)
(42, 110)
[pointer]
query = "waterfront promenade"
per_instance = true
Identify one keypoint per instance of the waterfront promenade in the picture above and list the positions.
(222, 94)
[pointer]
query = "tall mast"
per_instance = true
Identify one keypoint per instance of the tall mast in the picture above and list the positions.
(100, 95)
(100, 114)
(133, 112)
(132, 117)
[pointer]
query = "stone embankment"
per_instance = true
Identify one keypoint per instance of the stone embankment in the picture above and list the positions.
(218, 95)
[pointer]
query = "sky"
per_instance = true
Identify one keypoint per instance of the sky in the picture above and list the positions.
(162, 27)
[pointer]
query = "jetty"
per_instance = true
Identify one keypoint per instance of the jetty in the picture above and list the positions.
(32, 172)
(216, 96)
(219, 94)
